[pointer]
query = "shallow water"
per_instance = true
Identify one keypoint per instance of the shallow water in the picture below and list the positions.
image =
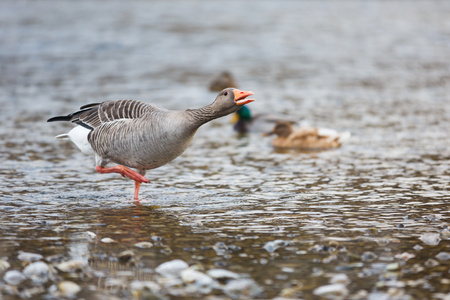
(378, 70)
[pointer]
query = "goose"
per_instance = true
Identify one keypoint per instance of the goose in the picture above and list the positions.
(308, 138)
(245, 122)
(139, 135)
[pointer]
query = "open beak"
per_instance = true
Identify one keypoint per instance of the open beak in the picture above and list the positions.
(239, 97)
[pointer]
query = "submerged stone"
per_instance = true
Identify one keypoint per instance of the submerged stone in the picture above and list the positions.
(29, 257)
(39, 272)
(143, 245)
(430, 238)
(14, 277)
(172, 268)
(332, 291)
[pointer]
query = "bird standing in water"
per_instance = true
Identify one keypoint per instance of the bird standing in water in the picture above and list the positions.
(142, 136)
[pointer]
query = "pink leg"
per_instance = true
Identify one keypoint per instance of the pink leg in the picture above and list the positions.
(125, 172)
(137, 185)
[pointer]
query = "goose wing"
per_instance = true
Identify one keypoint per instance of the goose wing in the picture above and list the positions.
(93, 115)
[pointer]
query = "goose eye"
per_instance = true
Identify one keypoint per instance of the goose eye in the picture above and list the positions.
(225, 93)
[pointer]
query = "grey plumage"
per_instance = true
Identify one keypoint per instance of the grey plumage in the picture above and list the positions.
(141, 135)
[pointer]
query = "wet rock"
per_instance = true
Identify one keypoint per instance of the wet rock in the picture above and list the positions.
(172, 268)
(107, 240)
(145, 290)
(90, 235)
(65, 289)
(430, 238)
(405, 256)
(332, 291)
(392, 266)
(340, 278)
(369, 256)
(29, 257)
(445, 234)
(4, 265)
(39, 272)
(203, 283)
(417, 247)
(222, 275)
(431, 263)
(126, 256)
(220, 248)
(143, 245)
(274, 245)
(443, 256)
(72, 266)
(14, 277)
(242, 288)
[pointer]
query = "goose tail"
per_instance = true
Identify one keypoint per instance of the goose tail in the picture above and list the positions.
(63, 136)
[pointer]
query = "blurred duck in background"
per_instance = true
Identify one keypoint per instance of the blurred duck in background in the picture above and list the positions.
(306, 138)
(244, 121)
(222, 81)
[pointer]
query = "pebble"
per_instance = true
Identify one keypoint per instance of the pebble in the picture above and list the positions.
(430, 238)
(29, 257)
(38, 272)
(107, 240)
(68, 289)
(443, 256)
(405, 256)
(340, 278)
(14, 277)
(368, 256)
(145, 290)
(201, 281)
(430, 263)
(172, 268)
(332, 291)
(126, 255)
(242, 289)
(4, 265)
(143, 245)
(222, 274)
(274, 245)
(72, 266)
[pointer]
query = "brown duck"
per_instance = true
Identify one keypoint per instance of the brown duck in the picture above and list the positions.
(308, 138)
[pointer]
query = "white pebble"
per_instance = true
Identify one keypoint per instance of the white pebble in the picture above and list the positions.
(107, 240)
(14, 277)
(68, 289)
(28, 256)
(143, 245)
(443, 256)
(172, 268)
(335, 291)
(340, 278)
(4, 265)
(203, 282)
(72, 266)
(38, 272)
(430, 238)
(274, 245)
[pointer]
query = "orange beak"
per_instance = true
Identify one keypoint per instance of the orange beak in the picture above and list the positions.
(239, 97)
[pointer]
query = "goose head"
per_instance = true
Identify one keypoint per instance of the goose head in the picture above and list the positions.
(230, 100)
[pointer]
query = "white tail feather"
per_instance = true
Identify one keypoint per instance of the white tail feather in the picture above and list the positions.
(62, 136)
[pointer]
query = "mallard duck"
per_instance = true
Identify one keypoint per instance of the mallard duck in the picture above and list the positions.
(305, 137)
(140, 135)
